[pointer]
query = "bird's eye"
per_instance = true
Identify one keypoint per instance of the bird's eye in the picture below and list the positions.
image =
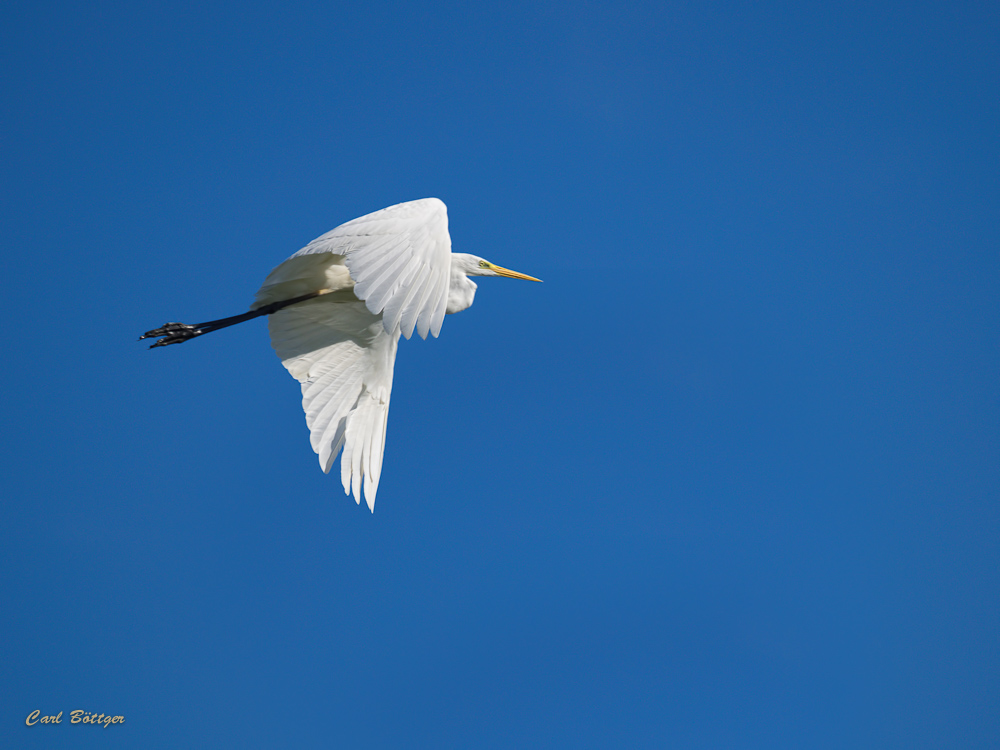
(483, 264)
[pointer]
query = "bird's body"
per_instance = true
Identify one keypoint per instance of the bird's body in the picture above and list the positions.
(336, 311)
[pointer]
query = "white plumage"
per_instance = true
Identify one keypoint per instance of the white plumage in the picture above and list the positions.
(381, 275)
(399, 259)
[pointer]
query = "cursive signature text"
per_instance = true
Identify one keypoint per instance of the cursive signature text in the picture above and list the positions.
(76, 717)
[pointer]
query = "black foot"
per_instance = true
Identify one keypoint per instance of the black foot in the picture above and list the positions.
(172, 333)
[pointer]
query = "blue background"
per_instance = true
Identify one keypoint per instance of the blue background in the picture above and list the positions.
(728, 478)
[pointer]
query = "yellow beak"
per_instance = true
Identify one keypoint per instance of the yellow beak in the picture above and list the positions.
(511, 274)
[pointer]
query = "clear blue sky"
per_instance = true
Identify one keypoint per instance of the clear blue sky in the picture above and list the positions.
(729, 478)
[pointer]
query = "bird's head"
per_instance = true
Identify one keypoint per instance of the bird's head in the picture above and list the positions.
(473, 265)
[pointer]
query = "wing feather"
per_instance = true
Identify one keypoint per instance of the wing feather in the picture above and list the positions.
(390, 272)
(344, 358)
(401, 307)
(389, 251)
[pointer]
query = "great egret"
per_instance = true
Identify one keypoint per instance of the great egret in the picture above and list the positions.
(337, 308)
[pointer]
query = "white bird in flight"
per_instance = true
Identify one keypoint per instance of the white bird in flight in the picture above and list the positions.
(336, 310)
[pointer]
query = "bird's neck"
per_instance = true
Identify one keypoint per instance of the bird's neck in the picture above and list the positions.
(461, 292)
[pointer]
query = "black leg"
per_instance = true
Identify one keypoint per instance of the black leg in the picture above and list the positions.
(178, 333)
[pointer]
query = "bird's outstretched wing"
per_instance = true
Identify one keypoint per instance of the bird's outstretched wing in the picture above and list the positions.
(343, 357)
(385, 274)
(400, 260)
